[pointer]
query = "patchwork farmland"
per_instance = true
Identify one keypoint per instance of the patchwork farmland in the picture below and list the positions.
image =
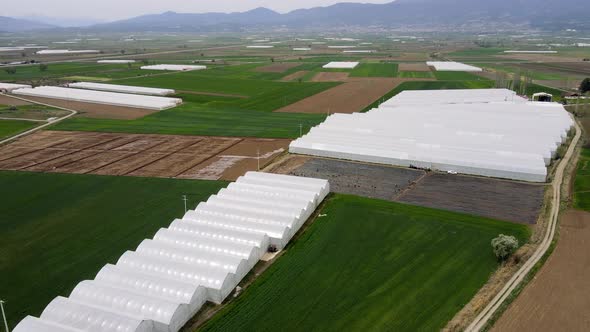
(98, 179)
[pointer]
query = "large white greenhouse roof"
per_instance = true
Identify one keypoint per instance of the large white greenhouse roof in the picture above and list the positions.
(116, 61)
(201, 257)
(341, 65)
(11, 87)
(174, 67)
(452, 66)
(506, 139)
(122, 88)
(60, 52)
(458, 96)
(101, 97)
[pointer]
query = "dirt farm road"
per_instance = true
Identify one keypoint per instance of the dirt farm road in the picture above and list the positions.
(480, 321)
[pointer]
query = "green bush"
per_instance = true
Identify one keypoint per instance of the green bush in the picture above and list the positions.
(504, 246)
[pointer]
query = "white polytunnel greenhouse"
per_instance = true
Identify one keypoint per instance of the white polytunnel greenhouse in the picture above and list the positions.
(174, 67)
(340, 65)
(115, 61)
(9, 87)
(139, 90)
(452, 66)
(508, 139)
(101, 97)
(202, 257)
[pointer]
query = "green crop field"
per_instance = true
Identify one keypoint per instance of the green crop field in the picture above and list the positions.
(55, 70)
(13, 127)
(60, 229)
(371, 265)
(415, 74)
(582, 182)
(375, 70)
(457, 76)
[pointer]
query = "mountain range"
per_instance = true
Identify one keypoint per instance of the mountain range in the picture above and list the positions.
(545, 14)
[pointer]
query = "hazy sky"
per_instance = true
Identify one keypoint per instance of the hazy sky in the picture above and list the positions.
(117, 9)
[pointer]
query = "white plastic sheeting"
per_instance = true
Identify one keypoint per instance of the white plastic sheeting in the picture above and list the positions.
(452, 66)
(201, 257)
(116, 61)
(531, 52)
(65, 52)
(512, 140)
(458, 96)
(340, 65)
(260, 46)
(121, 88)
(101, 97)
(174, 67)
(9, 87)
(359, 51)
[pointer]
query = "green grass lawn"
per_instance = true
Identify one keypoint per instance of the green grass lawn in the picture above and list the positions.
(582, 182)
(60, 229)
(371, 265)
(12, 127)
(375, 70)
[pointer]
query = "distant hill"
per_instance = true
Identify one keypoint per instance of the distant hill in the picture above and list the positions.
(434, 14)
(551, 14)
(9, 24)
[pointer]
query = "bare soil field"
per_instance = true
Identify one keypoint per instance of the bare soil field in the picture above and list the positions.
(349, 97)
(374, 181)
(548, 302)
(7, 100)
(277, 67)
(170, 156)
(99, 111)
(294, 76)
(330, 77)
(493, 198)
(413, 67)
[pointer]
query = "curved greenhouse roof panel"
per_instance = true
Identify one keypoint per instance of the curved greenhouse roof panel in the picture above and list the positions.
(452, 66)
(340, 65)
(485, 136)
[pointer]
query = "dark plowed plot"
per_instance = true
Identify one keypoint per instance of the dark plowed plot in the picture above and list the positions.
(493, 198)
(511, 201)
(188, 157)
(372, 181)
(277, 67)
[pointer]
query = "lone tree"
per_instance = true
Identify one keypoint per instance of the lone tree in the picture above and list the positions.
(43, 67)
(10, 70)
(504, 246)
(585, 85)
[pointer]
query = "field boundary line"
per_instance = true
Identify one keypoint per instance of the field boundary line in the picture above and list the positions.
(486, 314)
(73, 112)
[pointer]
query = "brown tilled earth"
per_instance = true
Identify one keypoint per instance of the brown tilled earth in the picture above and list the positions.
(6, 100)
(277, 67)
(538, 57)
(170, 156)
(330, 77)
(294, 76)
(352, 96)
(90, 110)
(558, 298)
(413, 67)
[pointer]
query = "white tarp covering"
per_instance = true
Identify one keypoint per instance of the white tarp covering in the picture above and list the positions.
(116, 61)
(62, 52)
(260, 46)
(101, 97)
(506, 139)
(122, 88)
(174, 67)
(459, 96)
(359, 51)
(9, 87)
(531, 52)
(201, 257)
(302, 49)
(341, 65)
(452, 66)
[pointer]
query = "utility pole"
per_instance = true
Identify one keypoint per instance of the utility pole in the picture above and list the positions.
(185, 200)
(258, 158)
(300, 129)
(4, 316)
